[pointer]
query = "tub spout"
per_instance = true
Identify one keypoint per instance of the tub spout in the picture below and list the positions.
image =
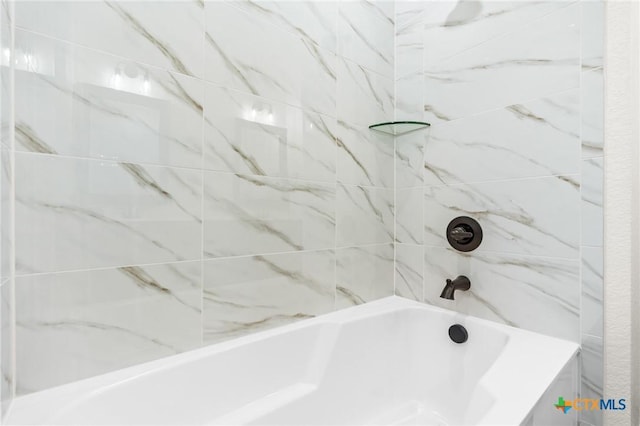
(460, 283)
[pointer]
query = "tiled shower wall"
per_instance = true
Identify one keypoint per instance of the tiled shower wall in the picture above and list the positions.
(514, 93)
(6, 203)
(202, 172)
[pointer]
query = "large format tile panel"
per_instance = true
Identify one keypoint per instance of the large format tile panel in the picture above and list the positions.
(363, 274)
(256, 215)
(169, 34)
(249, 294)
(540, 59)
(528, 216)
(535, 138)
(79, 324)
(267, 60)
(365, 34)
(453, 27)
(535, 293)
(364, 215)
(252, 135)
(79, 214)
(75, 101)
(313, 20)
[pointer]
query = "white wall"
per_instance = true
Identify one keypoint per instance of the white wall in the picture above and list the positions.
(622, 358)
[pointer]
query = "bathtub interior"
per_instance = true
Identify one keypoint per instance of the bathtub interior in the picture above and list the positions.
(392, 367)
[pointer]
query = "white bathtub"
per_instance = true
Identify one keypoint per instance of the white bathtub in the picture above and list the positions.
(386, 362)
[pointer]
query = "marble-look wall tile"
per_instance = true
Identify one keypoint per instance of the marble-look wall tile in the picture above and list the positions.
(364, 215)
(409, 38)
(365, 34)
(452, 27)
(135, 30)
(529, 216)
(592, 109)
(267, 61)
(252, 135)
(249, 294)
(535, 293)
(6, 206)
(410, 98)
(501, 72)
(314, 21)
(365, 157)
(6, 344)
(592, 34)
(364, 97)
(535, 138)
(409, 276)
(108, 319)
(409, 215)
(363, 274)
(256, 215)
(592, 290)
(76, 101)
(79, 214)
(410, 158)
(592, 377)
(592, 202)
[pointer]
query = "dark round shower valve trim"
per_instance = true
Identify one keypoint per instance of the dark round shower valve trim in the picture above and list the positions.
(464, 233)
(458, 333)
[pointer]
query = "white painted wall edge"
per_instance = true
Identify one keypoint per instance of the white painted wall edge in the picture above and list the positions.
(621, 210)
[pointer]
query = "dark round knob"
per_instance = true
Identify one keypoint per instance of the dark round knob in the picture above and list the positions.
(458, 333)
(464, 233)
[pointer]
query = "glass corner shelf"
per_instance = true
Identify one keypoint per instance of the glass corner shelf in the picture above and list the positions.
(396, 128)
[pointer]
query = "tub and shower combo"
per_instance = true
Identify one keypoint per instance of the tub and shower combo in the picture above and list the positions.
(388, 362)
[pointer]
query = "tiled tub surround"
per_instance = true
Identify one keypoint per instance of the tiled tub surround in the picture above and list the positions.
(7, 372)
(514, 94)
(179, 185)
(183, 184)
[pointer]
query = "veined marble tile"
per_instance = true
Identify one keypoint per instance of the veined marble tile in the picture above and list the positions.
(592, 290)
(409, 215)
(256, 215)
(534, 293)
(363, 274)
(530, 216)
(364, 215)
(409, 266)
(536, 138)
(6, 206)
(168, 34)
(452, 27)
(75, 101)
(409, 100)
(409, 38)
(365, 157)
(6, 77)
(538, 60)
(592, 113)
(80, 214)
(108, 319)
(250, 294)
(7, 345)
(365, 34)
(592, 34)
(410, 158)
(592, 377)
(251, 135)
(314, 21)
(364, 97)
(246, 52)
(592, 202)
